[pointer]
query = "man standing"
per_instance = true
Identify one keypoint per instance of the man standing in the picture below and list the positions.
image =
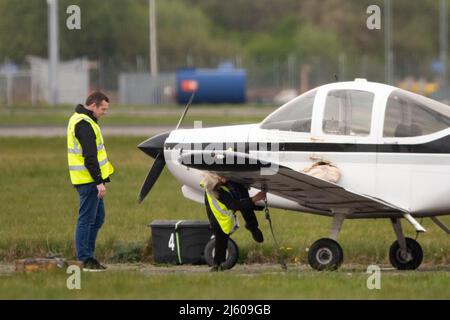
(89, 170)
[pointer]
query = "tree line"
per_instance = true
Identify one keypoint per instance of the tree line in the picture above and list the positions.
(117, 30)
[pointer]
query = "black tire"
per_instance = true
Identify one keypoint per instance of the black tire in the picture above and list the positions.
(414, 250)
(232, 254)
(325, 254)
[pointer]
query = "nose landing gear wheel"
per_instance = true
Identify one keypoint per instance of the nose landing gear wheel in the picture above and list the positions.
(411, 260)
(232, 253)
(325, 254)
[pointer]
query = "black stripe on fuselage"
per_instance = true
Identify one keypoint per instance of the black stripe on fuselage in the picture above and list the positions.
(440, 146)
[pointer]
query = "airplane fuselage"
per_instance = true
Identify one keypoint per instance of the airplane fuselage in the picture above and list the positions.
(414, 177)
(406, 169)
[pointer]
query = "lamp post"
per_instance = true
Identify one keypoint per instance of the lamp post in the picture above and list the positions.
(153, 48)
(443, 56)
(53, 51)
(388, 53)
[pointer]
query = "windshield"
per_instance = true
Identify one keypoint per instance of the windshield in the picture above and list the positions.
(294, 116)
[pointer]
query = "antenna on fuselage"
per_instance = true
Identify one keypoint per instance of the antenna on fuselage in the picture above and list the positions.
(185, 110)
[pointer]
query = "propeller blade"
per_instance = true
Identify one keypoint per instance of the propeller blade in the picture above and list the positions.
(152, 176)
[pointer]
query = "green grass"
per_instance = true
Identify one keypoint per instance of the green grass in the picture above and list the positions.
(126, 120)
(128, 107)
(234, 284)
(38, 213)
(136, 115)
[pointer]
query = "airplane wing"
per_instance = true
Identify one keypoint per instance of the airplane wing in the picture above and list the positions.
(308, 191)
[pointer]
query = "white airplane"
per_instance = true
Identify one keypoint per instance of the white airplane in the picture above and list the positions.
(391, 147)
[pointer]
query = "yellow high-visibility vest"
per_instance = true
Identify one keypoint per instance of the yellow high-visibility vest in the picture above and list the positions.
(78, 172)
(224, 216)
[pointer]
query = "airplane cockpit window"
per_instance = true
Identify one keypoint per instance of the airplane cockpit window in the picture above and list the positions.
(409, 115)
(348, 112)
(294, 116)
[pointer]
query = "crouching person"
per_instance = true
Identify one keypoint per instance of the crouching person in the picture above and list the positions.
(221, 206)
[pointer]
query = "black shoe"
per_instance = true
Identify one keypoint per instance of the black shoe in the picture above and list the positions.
(257, 235)
(99, 264)
(92, 265)
(216, 268)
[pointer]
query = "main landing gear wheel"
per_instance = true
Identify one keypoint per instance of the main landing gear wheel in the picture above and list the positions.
(231, 257)
(325, 254)
(409, 261)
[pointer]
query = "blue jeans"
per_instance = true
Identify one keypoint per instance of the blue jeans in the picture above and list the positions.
(90, 219)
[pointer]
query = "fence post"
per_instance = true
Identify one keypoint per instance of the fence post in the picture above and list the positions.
(8, 89)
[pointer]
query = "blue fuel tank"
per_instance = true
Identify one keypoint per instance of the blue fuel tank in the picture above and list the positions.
(211, 85)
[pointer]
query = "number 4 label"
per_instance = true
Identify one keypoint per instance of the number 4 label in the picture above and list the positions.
(172, 241)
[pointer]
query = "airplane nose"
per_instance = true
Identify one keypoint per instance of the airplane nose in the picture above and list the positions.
(154, 145)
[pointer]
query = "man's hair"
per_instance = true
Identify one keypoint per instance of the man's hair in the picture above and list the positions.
(96, 97)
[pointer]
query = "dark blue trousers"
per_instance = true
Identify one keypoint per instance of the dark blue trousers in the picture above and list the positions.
(91, 216)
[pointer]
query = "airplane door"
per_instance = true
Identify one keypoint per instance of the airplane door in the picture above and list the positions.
(344, 132)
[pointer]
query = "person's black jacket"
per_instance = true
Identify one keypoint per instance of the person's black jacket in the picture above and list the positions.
(242, 204)
(86, 136)
(239, 191)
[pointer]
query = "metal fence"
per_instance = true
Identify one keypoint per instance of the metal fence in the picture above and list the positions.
(143, 88)
(17, 88)
(29, 85)
(266, 79)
